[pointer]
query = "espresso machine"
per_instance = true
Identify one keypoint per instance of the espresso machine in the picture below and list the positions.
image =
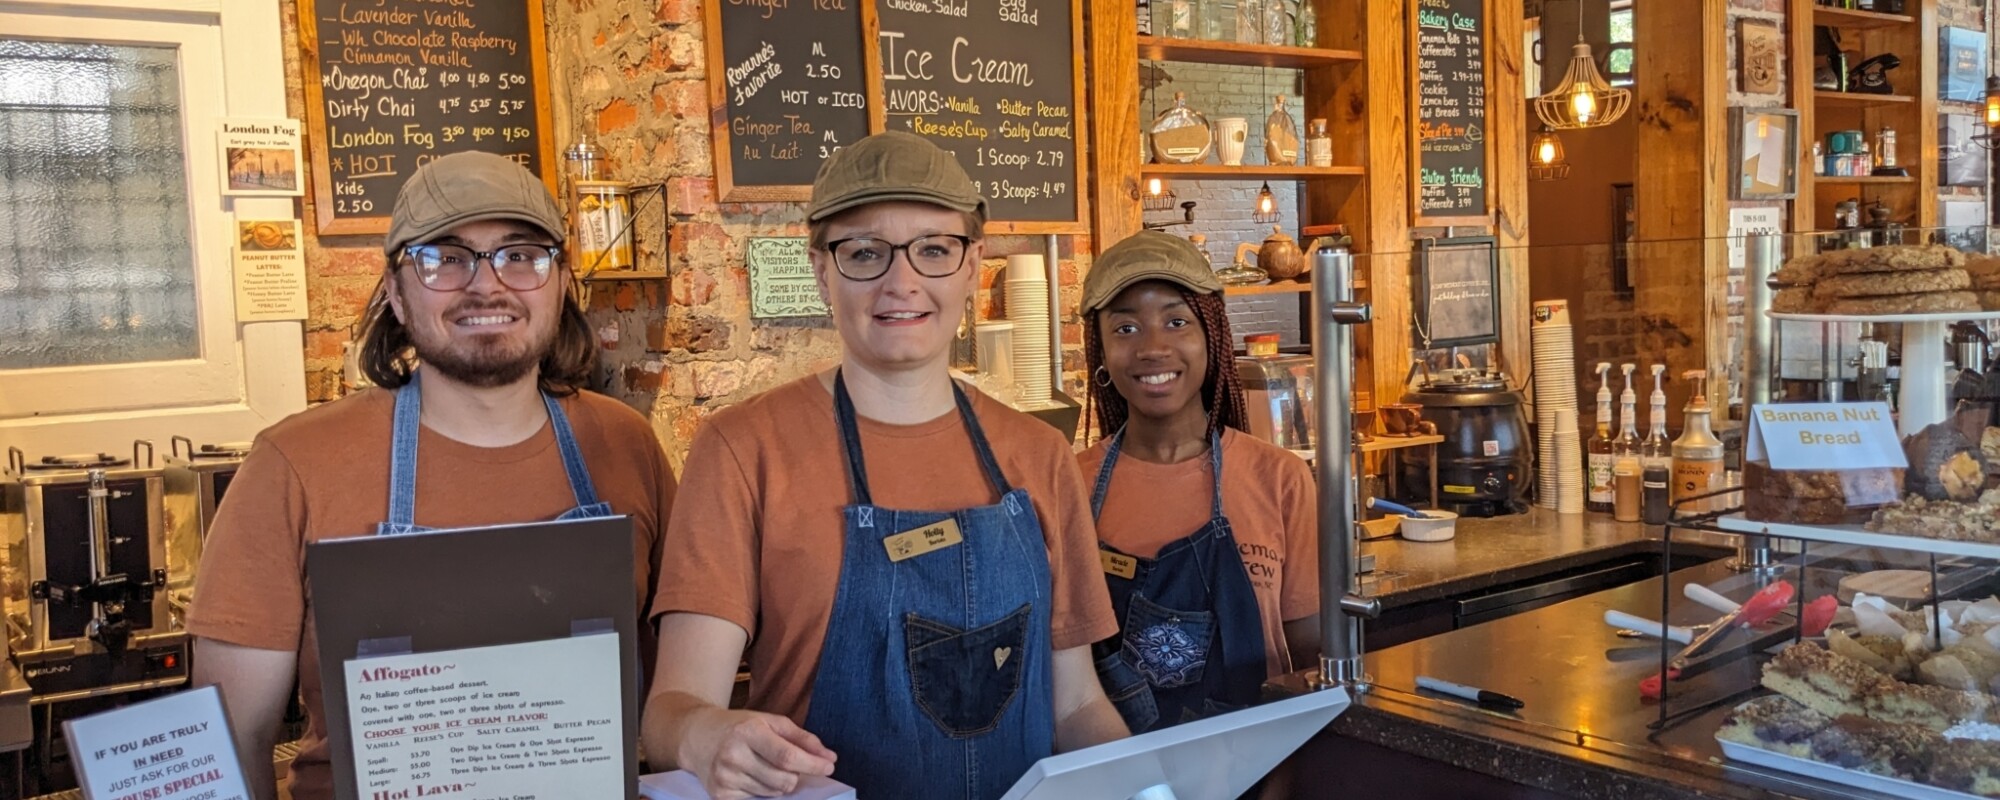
(85, 559)
(196, 477)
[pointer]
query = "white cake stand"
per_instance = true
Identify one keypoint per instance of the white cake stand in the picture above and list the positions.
(1923, 399)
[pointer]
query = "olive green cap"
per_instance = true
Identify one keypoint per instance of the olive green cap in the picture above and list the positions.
(467, 187)
(1147, 256)
(892, 165)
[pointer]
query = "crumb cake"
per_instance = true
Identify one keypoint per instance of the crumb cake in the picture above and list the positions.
(1773, 723)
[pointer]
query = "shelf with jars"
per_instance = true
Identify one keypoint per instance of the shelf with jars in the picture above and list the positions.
(1198, 51)
(1868, 110)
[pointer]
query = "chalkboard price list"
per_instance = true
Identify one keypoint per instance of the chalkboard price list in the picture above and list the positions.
(403, 82)
(1451, 108)
(991, 82)
(793, 87)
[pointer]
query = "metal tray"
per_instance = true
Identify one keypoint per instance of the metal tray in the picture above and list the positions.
(1832, 774)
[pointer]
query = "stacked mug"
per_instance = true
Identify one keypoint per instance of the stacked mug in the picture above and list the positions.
(1028, 309)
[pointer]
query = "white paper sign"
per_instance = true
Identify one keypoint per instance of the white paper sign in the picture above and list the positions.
(534, 721)
(270, 271)
(1746, 221)
(260, 157)
(1824, 436)
(175, 748)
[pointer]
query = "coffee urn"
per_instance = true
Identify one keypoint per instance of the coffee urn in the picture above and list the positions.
(196, 477)
(1483, 465)
(85, 555)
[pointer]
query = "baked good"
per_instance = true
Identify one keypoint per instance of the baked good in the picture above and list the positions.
(1800, 271)
(1934, 707)
(1874, 746)
(1882, 284)
(1989, 297)
(1945, 463)
(1942, 519)
(1982, 266)
(1797, 300)
(1924, 303)
(1824, 682)
(1884, 654)
(1966, 765)
(1892, 258)
(1774, 723)
(1816, 497)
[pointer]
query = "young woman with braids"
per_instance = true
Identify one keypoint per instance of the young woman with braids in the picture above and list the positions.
(1208, 536)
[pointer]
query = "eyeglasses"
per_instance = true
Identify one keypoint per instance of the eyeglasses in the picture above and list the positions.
(935, 256)
(451, 268)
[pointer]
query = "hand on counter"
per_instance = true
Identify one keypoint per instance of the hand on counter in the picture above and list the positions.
(741, 754)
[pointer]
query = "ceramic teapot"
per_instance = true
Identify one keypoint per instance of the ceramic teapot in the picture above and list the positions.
(1280, 256)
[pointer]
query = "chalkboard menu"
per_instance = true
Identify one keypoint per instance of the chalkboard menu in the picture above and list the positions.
(394, 84)
(787, 85)
(1449, 92)
(1457, 298)
(997, 83)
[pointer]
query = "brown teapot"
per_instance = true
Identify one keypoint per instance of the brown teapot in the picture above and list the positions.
(1280, 256)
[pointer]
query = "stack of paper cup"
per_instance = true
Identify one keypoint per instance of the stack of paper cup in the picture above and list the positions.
(1569, 464)
(1555, 391)
(1028, 309)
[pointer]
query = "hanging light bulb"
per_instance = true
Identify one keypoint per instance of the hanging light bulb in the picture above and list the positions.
(1159, 196)
(1584, 99)
(1993, 102)
(1267, 206)
(1545, 159)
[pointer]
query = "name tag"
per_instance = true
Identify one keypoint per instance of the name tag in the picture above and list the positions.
(918, 541)
(1115, 564)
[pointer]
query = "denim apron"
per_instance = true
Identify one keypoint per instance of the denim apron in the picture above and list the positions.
(403, 464)
(1191, 639)
(935, 677)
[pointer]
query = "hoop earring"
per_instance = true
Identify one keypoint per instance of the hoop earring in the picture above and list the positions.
(1101, 377)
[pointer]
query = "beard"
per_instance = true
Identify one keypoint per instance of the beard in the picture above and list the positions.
(486, 360)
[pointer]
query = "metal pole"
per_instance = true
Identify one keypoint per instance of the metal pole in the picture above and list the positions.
(1049, 255)
(1763, 252)
(1334, 312)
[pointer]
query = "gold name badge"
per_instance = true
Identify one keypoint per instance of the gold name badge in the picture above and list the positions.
(1115, 564)
(918, 541)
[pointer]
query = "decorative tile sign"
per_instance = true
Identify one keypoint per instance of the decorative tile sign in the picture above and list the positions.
(781, 279)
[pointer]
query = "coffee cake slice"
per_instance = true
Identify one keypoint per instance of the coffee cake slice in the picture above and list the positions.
(1774, 723)
(1967, 765)
(1933, 707)
(1881, 748)
(1829, 684)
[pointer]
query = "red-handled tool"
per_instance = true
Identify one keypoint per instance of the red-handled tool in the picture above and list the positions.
(1818, 615)
(1760, 608)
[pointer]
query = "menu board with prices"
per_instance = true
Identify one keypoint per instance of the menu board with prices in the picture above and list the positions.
(394, 84)
(1449, 94)
(793, 89)
(997, 83)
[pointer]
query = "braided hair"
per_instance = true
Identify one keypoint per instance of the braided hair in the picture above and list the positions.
(1221, 391)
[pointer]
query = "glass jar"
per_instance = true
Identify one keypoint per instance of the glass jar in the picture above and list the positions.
(1249, 21)
(1277, 27)
(1180, 19)
(1307, 26)
(1281, 136)
(1180, 135)
(1319, 146)
(1214, 15)
(1145, 17)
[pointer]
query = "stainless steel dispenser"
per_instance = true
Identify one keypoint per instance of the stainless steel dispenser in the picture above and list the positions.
(85, 557)
(196, 477)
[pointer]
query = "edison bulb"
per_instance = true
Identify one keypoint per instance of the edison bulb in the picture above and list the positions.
(1993, 112)
(1763, 127)
(1266, 204)
(1583, 103)
(1153, 187)
(1546, 153)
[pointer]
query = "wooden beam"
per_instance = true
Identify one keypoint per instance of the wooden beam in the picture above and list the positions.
(1507, 134)
(1114, 121)
(1681, 262)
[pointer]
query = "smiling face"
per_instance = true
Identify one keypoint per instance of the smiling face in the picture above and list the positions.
(486, 334)
(902, 321)
(1155, 351)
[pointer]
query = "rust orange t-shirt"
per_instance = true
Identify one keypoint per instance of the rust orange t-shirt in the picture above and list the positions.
(756, 536)
(1273, 511)
(324, 474)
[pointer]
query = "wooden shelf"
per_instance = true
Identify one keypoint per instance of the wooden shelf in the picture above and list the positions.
(1203, 51)
(1865, 179)
(1246, 172)
(1274, 287)
(1858, 20)
(1856, 100)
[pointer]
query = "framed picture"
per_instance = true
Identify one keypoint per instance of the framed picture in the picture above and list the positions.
(1759, 43)
(1961, 161)
(1457, 297)
(1624, 231)
(1961, 65)
(1763, 153)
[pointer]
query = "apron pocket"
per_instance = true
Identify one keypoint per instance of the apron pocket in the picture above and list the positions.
(1128, 692)
(1169, 647)
(964, 680)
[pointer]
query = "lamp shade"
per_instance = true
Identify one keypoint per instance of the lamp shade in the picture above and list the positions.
(1545, 157)
(1584, 99)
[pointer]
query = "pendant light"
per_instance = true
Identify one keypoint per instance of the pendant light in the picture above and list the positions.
(1266, 212)
(1545, 157)
(1993, 102)
(1584, 99)
(1159, 196)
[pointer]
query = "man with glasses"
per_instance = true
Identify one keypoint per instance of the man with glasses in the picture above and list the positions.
(910, 564)
(482, 351)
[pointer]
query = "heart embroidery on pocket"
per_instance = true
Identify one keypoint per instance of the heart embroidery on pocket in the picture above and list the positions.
(1000, 655)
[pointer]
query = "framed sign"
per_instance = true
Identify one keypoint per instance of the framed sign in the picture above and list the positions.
(1447, 91)
(788, 86)
(1763, 153)
(1457, 297)
(781, 279)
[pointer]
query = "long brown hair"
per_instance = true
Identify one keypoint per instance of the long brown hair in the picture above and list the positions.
(1221, 392)
(387, 357)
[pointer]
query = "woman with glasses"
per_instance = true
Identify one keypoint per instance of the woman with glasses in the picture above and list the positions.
(1209, 535)
(910, 563)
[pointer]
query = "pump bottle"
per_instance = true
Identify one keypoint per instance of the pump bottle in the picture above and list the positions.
(1697, 454)
(1600, 497)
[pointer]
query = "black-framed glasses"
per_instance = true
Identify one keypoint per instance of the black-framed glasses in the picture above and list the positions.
(865, 259)
(450, 267)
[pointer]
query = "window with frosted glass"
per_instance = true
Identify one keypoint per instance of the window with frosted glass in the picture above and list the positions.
(96, 264)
